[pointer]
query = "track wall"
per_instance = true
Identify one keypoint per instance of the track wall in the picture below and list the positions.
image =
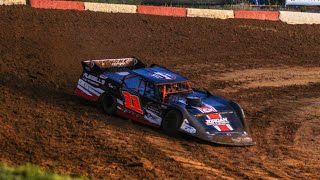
(13, 2)
(284, 16)
(210, 13)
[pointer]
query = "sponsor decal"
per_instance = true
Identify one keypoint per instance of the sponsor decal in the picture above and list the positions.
(215, 119)
(154, 107)
(122, 62)
(152, 117)
(164, 107)
(119, 102)
(122, 73)
(110, 86)
(103, 76)
(89, 89)
(206, 109)
(219, 122)
(93, 78)
(161, 75)
(91, 82)
(187, 127)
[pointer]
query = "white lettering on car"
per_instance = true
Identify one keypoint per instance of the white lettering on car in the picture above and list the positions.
(93, 78)
(161, 75)
(185, 126)
(217, 121)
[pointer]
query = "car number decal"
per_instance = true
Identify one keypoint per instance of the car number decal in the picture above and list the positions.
(132, 102)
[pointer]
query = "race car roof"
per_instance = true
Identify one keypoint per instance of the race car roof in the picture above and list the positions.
(159, 75)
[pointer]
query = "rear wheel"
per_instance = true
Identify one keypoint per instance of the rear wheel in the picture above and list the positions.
(109, 104)
(172, 122)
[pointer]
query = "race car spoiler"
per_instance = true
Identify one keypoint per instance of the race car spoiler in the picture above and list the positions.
(110, 64)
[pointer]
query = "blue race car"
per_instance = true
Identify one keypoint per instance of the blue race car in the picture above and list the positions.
(159, 97)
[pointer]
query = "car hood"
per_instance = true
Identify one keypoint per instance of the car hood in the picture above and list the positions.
(215, 114)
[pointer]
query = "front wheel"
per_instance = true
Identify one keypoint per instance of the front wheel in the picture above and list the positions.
(109, 104)
(172, 122)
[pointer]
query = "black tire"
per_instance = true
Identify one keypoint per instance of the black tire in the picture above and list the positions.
(109, 104)
(172, 122)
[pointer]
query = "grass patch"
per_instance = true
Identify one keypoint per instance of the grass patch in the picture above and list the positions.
(31, 172)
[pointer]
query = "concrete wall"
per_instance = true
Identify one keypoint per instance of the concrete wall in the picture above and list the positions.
(13, 2)
(48, 4)
(162, 11)
(299, 18)
(284, 16)
(260, 15)
(110, 8)
(210, 13)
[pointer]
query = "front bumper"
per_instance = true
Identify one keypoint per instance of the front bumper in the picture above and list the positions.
(232, 140)
(229, 138)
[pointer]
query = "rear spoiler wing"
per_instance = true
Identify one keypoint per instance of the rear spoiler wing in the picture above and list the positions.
(99, 66)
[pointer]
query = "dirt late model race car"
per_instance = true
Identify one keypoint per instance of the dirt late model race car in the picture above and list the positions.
(162, 98)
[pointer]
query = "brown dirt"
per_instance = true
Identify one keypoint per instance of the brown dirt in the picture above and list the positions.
(271, 68)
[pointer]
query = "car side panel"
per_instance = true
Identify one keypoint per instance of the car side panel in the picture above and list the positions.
(134, 107)
(90, 87)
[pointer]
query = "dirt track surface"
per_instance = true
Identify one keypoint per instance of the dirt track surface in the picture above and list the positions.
(271, 68)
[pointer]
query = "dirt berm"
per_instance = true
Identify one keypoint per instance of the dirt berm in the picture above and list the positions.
(270, 68)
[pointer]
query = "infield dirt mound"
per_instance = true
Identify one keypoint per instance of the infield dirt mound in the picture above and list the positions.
(271, 68)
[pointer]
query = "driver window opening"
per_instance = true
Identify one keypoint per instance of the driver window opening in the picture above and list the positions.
(150, 90)
(141, 87)
(173, 88)
(135, 84)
